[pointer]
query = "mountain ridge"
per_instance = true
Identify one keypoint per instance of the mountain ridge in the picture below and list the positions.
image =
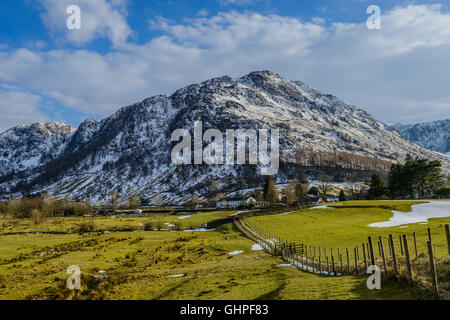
(432, 135)
(129, 151)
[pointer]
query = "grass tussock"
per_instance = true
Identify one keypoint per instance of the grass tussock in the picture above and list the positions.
(93, 287)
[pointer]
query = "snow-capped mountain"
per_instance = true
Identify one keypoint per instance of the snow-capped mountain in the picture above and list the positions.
(28, 146)
(129, 152)
(433, 135)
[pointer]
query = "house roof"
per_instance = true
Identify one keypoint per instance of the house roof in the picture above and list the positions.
(311, 196)
(241, 198)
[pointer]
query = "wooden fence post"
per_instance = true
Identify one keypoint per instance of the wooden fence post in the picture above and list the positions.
(328, 266)
(447, 233)
(379, 249)
(320, 266)
(401, 244)
(365, 257)
(334, 268)
(372, 256)
(356, 262)
(306, 261)
(408, 260)
(394, 257)
(348, 261)
(342, 267)
(429, 234)
(303, 260)
(382, 254)
(433, 268)
(415, 244)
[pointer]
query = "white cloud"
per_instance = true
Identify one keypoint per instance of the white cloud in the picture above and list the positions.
(237, 2)
(318, 20)
(18, 107)
(99, 18)
(203, 13)
(400, 72)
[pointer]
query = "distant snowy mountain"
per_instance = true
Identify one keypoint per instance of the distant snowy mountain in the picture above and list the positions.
(29, 146)
(433, 135)
(130, 150)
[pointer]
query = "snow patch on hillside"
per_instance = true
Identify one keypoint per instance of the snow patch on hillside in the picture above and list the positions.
(420, 213)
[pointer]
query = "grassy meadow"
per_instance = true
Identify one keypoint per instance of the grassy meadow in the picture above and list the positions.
(120, 259)
(114, 223)
(148, 265)
(346, 226)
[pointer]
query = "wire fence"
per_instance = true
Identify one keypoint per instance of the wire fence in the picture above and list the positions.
(403, 256)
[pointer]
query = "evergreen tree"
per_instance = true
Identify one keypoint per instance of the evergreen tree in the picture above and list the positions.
(301, 177)
(294, 192)
(444, 192)
(270, 191)
(314, 191)
(342, 196)
(416, 177)
(377, 188)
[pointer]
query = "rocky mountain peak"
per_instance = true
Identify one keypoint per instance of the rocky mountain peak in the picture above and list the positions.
(131, 148)
(434, 135)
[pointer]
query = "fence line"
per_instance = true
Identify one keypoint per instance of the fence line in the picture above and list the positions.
(402, 259)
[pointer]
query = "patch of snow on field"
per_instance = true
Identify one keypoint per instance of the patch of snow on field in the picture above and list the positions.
(321, 207)
(184, 217)
(282, 214)
(257, 247)
(236, 252)
(175, 276)
(420, 213)
(287, 265)
(199, 230)
(239, 212)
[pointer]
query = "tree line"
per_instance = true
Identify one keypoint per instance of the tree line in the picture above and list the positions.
(341, 159)
(43, 206)
(416, 178)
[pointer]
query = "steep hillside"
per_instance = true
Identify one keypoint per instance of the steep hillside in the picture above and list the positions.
(129, 152)
(433, 135)
(25, 147)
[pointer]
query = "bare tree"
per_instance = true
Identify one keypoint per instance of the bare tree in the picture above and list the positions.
(355, 187)
(324, 184)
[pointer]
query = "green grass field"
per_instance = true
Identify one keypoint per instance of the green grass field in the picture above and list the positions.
(71, 224)
(139, 265)
(346, 226)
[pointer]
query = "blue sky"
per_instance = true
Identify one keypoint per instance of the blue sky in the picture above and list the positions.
(129, 50)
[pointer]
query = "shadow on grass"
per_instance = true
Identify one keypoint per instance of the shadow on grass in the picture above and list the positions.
(391, 289)
(272, 295)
